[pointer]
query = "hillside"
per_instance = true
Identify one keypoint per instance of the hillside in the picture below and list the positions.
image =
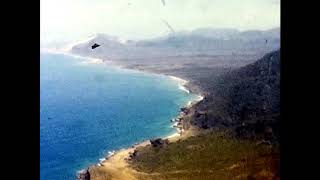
(249, 96)
(213, 155)
(241, 119)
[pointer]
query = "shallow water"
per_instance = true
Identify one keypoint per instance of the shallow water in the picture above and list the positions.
(88, 109)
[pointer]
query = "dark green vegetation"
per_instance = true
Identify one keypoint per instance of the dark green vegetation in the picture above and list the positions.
(246, 100)
(245, 103)
(214, 155)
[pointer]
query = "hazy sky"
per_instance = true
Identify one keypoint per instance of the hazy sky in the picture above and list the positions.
(65, 20)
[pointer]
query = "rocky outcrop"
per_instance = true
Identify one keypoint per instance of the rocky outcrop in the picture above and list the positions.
(184, 110)
(133, 155)
(84, 175)
(159, 142)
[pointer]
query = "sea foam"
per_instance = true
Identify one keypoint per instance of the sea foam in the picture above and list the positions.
(110, 153)
(92, 61)
(181, 83)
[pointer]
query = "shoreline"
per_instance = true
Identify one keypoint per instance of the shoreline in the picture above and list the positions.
(123, 154)
(184, 84)
(178, 121)
(117, 164)
(118, 159)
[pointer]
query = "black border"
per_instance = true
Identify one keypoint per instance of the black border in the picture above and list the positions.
(299, 128)
(20, 64)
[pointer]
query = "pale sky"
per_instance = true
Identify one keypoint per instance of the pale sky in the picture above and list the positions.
(71, 20)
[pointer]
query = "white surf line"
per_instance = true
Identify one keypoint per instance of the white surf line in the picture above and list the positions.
(181, 83)
(92, 61)
(200, 98)
(109, 155)
(190, 103)
(88, 60)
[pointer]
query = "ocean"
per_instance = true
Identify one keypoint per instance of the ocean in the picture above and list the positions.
(89, 109)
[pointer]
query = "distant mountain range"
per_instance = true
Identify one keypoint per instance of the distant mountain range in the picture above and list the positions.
(205, 39)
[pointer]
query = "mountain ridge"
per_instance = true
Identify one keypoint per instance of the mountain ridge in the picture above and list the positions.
(201, 34)
(245, 97)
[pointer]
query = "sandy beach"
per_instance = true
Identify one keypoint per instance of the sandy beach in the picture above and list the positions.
(117, 167)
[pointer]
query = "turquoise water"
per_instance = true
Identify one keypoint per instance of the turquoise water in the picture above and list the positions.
(87, 110)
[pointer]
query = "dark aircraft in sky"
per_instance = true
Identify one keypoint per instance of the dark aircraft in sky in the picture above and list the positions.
(95, 46)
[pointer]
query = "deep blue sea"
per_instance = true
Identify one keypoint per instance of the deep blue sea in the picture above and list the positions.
(87, 110)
